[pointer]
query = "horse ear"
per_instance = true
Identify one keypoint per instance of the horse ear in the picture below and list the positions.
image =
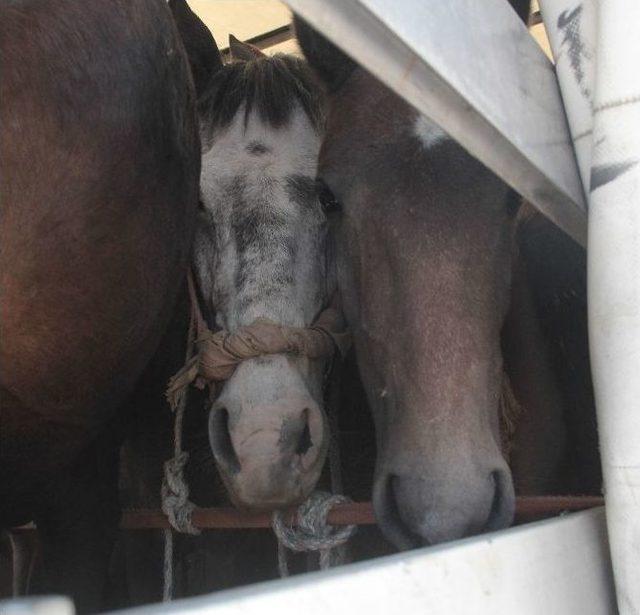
(332, 66)
(202, 51)
(244, 51)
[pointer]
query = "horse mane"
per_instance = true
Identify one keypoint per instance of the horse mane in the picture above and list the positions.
(271, 85)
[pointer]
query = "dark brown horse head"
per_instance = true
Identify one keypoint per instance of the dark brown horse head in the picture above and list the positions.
(260, 253)
(423, 259)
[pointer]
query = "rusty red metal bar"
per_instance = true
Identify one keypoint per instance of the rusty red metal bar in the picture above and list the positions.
(528, 508)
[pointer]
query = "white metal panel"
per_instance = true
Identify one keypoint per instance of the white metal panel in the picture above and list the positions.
(42, 605)
(614, 282)
(571, 28)
(474, 69)
(560, 566)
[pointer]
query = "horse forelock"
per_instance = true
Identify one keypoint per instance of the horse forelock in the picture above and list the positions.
(272, 87)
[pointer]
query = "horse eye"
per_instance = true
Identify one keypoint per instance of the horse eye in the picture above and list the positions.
(328, 200)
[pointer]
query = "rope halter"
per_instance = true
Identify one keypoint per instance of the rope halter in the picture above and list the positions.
(215, 359)
(218, 354)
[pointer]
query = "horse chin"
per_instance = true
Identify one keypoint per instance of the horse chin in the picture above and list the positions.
(254, 495)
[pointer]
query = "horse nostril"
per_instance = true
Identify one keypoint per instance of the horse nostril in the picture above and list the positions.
(502, 507)
(305, 442)
(390, 520)
(220, 438)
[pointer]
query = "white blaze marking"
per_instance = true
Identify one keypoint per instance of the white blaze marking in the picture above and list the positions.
(429, 133)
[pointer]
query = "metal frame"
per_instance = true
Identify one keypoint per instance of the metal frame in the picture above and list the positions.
(472, 68)
(597, 54)
(614, 282)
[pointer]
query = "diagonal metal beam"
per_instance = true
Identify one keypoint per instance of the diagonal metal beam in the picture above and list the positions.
(473, 68)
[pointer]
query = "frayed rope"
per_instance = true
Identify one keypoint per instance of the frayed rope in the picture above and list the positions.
(311, 532)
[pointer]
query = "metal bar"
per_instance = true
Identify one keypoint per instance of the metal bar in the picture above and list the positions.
(614, 282)
(597, 53)
(273, 37)
(267, 39)
(553, 567)
(357, 513)
(474, 69)
(571, 31)
(528, 508)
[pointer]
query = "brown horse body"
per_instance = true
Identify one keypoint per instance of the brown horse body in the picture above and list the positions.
(100, 165)
(546, 353)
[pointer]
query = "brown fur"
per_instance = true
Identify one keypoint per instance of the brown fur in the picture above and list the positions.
(425, 249)
(424, 266)
(424, 240)
(546, 350)
(99, 162)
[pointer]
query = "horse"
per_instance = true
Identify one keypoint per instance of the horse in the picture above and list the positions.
(201, 567)
(261, 251)
(100, 159)
(546, 351)
(424, 242)
(260, 254)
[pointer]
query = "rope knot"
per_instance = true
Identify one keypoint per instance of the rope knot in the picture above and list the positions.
(218, 354)
(175, 495)
(310, 531)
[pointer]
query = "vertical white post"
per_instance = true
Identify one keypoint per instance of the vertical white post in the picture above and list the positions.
(597, 51)
(571, 29)
(614, 283)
